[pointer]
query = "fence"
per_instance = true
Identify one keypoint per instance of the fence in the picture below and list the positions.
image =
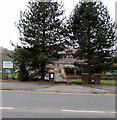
(79, 77)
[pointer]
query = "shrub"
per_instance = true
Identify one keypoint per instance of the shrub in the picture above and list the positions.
(69, 71)
(23, 73)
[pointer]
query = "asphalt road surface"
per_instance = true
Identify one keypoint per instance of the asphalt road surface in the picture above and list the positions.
(56, 105)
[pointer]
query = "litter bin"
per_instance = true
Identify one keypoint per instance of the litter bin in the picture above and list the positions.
(51, 77)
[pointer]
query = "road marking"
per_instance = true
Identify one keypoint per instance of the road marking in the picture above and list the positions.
(84, 111)
(53, 92)
(6, 108)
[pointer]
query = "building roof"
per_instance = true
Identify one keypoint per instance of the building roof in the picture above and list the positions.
(68, 61)
(4, 54)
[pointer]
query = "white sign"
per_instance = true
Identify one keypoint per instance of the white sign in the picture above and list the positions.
(7, 64)
(52, 75)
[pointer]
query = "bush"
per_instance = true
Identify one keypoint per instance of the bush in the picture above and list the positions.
(23, 73)
(78, 72)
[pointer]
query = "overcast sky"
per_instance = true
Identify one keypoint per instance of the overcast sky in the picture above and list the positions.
(10, 12)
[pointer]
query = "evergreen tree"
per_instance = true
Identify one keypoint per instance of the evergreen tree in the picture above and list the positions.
(93, 33)
(23, 73)
(41, 29)
(19, 55)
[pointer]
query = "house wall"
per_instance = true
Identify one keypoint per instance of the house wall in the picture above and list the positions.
(56, 67)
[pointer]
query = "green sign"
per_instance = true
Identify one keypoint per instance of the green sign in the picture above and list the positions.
(7, 70)
(7, 66)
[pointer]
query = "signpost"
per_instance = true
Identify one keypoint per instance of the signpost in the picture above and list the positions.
(7, 67)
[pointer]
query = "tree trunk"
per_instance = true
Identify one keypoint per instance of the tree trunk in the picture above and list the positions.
(43, 71)
(89, 78)
(89, 73)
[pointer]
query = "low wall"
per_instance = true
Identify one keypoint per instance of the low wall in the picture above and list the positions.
(72, 77)
(79, 77)
(108, 78)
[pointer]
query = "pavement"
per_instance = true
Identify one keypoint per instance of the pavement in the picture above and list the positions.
(79, 89)
(25, 86)
(61, 85)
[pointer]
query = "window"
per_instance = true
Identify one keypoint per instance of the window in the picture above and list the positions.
(50, 64)
(60, 64)
(55, 69)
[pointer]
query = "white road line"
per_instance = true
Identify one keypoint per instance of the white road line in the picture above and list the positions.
(6, 108)
(83, 111)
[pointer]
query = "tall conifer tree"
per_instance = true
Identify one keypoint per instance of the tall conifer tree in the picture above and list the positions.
(93, 33)
(41, 29)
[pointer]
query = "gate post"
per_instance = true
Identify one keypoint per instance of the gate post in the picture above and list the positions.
(84, 78)
(97, 78)
(51, 77)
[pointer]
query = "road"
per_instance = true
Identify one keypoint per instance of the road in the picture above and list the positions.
(53, 105)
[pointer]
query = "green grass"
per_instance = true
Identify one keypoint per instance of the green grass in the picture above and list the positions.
(76, 80)
(112, 82)
(109, 82)
(14, 76)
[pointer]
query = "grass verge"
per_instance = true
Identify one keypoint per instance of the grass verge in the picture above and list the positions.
(112, 82)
